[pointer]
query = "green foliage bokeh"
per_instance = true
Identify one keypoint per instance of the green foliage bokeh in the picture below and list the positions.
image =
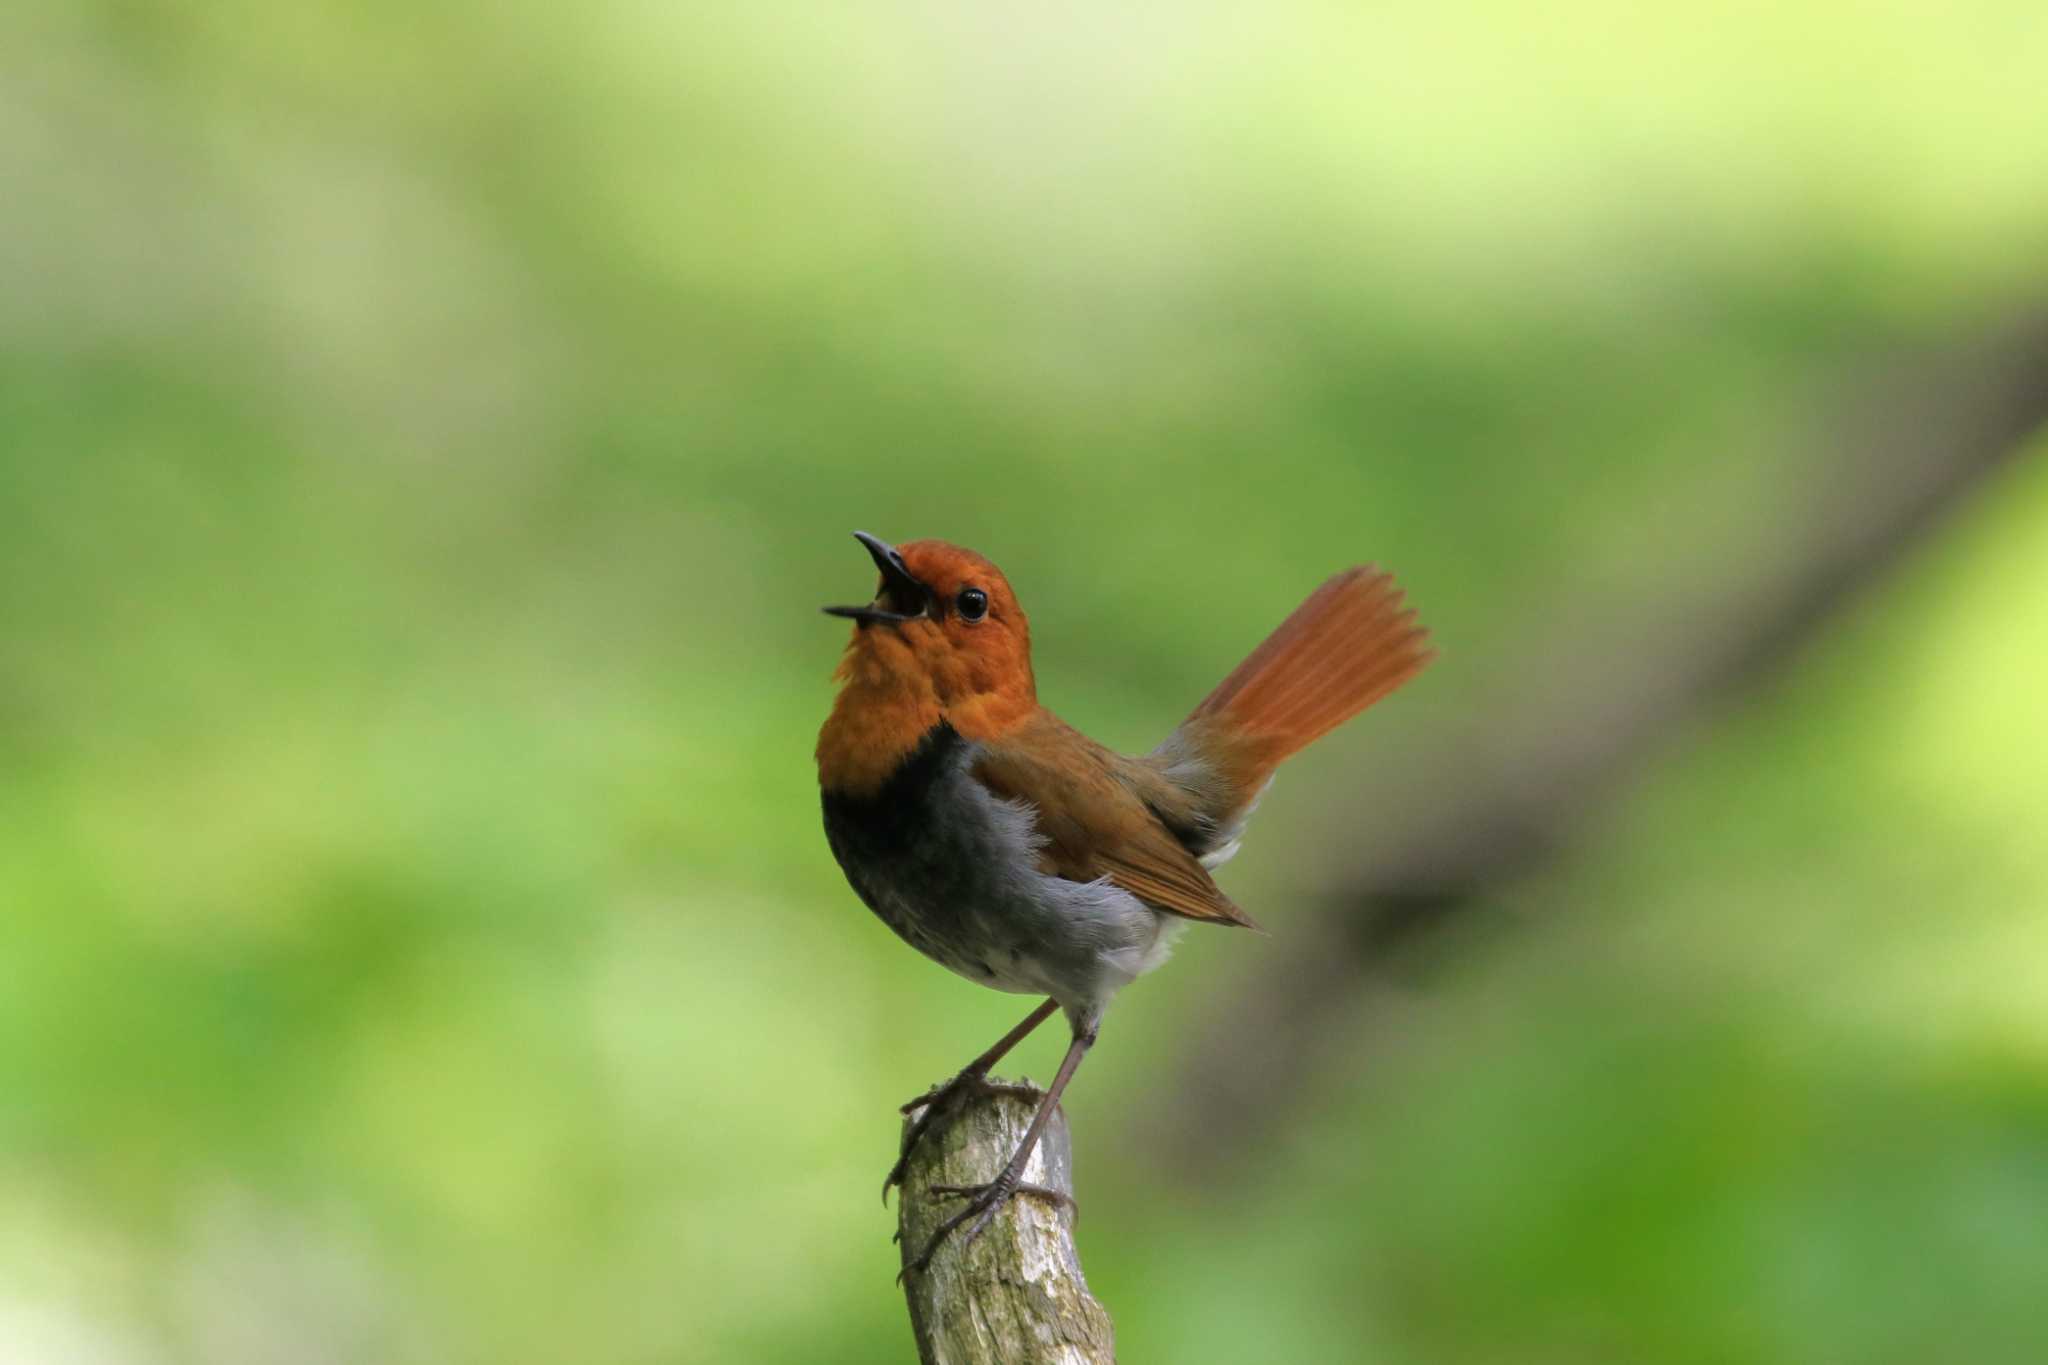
(426, 433)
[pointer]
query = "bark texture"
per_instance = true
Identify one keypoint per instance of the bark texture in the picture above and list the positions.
(1016, 1295)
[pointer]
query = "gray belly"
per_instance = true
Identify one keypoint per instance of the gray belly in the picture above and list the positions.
(952, 869)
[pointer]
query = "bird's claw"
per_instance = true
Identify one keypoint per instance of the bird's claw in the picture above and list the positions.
(937, 1101)
(941, 1095)
(936, 1093)
(983, 1202)
(1045, 1192)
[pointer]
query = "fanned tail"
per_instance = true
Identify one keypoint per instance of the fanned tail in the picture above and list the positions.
(1350, 644)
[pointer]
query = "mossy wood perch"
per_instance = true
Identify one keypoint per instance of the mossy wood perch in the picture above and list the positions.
(1015, 1296)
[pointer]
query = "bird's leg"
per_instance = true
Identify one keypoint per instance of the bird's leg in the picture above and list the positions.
(984, 1200)
(941, 1097)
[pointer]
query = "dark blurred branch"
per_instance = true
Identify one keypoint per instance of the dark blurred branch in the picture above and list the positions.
(1925, 432)
(1015, 1296)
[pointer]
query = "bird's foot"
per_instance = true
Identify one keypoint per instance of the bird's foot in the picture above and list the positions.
(983, 1201)
(939, 1100)
(944, 1093)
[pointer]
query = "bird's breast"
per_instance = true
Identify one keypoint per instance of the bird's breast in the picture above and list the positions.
(953, 869)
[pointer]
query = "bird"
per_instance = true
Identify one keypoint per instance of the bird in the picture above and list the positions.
(1012, 849)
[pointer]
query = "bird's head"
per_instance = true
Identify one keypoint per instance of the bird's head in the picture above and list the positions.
(944, 630)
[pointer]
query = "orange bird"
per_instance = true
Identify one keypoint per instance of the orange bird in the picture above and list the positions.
(1004, 844)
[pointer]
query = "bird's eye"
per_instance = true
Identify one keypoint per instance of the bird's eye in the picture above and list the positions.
(973, 604)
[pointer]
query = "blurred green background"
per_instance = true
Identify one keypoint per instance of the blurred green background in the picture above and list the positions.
(427, 432)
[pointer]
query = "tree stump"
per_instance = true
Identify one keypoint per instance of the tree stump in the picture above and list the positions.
(1016, 1296)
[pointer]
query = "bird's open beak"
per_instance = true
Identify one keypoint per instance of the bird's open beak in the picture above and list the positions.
(902, 597)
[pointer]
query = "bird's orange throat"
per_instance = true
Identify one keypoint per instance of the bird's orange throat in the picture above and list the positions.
(896, 685)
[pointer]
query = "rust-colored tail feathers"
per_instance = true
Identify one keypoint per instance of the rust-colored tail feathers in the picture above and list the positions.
(1350, 644)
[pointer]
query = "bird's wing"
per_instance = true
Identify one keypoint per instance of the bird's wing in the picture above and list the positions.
(1094, 824)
